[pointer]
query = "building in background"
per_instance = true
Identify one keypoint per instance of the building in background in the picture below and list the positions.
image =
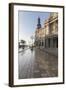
(47, 36)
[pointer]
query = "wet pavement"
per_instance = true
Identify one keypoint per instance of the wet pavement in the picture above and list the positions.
(37, 64)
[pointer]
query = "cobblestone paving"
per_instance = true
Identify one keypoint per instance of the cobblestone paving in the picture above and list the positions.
(37, 64)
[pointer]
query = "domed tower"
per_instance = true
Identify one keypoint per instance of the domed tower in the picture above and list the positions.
(39, 24)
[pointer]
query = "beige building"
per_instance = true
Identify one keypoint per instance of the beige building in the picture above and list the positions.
(47, 36)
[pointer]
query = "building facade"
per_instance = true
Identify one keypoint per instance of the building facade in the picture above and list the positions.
(47, 36)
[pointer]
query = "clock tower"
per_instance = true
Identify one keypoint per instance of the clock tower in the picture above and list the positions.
(39, 24)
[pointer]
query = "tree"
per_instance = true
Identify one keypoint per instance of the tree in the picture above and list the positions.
(23, 43)
(32, 38)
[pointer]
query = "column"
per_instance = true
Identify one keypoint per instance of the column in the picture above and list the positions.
(51, 42)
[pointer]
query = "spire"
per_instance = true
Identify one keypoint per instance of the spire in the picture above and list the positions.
(39, 24)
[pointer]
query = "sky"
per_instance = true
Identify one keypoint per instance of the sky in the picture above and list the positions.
(28, 23)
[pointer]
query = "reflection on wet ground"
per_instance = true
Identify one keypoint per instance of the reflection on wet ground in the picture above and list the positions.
(36, 64)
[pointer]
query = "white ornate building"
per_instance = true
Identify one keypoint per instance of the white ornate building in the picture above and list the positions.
(47, 36)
